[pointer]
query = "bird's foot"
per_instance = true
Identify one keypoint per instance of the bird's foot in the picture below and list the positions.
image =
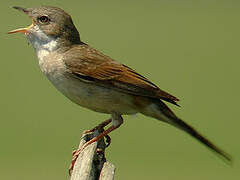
(108, 140)
(75, 155)
(104, 133)
(76, 152)
(100, 126)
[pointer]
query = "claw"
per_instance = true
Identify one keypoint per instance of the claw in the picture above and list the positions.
(75, 155)
(74, 151)
(70, 169)
(108, 140)
(101, 135)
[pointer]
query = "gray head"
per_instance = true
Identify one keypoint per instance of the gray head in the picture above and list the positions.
(49, 23)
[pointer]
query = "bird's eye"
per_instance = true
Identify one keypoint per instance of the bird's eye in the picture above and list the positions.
(44, 19)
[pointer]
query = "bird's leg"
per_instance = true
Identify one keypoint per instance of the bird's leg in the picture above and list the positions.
(100, 126)
(116, 123)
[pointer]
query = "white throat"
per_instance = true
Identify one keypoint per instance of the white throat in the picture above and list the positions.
(42, 43)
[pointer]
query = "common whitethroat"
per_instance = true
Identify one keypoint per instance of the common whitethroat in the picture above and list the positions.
(95, 81)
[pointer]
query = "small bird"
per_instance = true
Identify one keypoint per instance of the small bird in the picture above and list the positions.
(95, 81)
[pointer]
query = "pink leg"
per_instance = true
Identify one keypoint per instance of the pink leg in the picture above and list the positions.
(102, 125)
(104, 133)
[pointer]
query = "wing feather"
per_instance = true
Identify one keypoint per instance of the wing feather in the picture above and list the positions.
(88, 63)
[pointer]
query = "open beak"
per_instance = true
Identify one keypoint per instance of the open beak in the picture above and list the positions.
(22, 30)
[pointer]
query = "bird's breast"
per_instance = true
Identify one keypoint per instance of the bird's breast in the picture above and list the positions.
(50, 63)
(86, 94)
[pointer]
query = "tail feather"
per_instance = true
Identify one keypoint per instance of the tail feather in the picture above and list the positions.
(190, 130)
(163, 113)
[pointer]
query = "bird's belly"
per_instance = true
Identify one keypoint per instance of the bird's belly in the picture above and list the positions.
(93, 97)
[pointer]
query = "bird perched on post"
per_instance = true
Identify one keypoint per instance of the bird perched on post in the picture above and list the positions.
(93, 80)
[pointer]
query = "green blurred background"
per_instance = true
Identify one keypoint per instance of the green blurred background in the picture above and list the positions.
(189, 48)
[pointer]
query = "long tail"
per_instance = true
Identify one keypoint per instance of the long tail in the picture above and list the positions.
(190, 130)
(163, 113)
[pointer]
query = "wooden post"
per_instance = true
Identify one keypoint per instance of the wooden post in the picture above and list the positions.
(91, 163)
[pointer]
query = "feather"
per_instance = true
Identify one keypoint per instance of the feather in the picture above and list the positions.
(89, 64)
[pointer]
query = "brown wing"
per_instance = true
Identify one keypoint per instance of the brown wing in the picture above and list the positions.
(89, 64)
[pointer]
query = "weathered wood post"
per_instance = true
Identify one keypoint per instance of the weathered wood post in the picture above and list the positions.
(91, 163)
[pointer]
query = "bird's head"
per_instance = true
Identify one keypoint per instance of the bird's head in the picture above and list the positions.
(49, 23)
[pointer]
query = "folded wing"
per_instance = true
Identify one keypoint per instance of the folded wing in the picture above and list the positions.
(89, 64)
